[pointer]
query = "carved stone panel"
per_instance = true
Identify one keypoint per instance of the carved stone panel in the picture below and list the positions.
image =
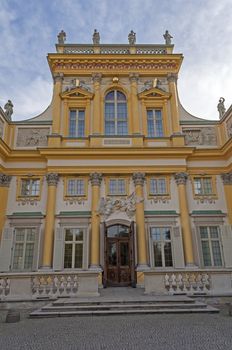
(229, 127)
(1, 128)
(205, 136)
(32, 137)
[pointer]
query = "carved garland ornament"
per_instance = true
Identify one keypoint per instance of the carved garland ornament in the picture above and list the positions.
(52, 179)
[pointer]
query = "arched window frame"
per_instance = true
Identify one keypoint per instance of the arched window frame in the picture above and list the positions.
(116, 113)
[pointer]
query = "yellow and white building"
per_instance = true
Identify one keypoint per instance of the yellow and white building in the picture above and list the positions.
(115, 183)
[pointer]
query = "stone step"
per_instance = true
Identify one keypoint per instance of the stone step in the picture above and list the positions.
(113, 306)
(41, 314)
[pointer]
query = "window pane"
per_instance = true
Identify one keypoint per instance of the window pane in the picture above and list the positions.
(81, 128)
(197, 186)
(150, 128)
(113, 187)
(80, 187)
(68, 256)
(207, 184)
(72, 123)
(110, 96)
(217, 259)
(157, 254)
(18, 256)
(68, 235)
(121, 186)
(166, 234)
(81, 115)
(168, 253)
(203, 232)
(206, 253)
(78, 255)
(30, 234)
(78, 234)
(122, 128)
(161, 184)
(29, 253)
(25, 189)
(124, 254)
(121, 111)
(109, 128)
(156, 233)
(213, 231)
(35, 187)
(121, 96)
(71, 187)
(20, 234)
(158, 123)
(109, 111)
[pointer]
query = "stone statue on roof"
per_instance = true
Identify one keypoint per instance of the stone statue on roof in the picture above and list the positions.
(61, 37)
(168, 38)
(132, 37)
(96, 37)
(221, 107)
(8, 109)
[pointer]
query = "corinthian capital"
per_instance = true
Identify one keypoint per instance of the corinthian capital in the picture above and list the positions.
(227, 178)
(97, 77)
(172, 77)
(134, 77)
(181, 178)
(52, 179)
(138, 178)
(96, 179)
(5, 180)
(58, 77)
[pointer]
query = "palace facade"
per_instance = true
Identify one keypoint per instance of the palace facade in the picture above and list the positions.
(115, 183)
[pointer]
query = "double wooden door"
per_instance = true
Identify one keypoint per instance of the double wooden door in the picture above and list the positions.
(119, 256)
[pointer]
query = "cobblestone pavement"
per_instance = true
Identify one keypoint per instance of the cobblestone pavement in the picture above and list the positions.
(156, 332)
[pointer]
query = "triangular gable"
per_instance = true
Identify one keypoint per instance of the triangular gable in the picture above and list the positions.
(77, 92)
(154, 93)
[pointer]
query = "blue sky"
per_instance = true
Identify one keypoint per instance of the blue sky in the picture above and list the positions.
(202, 31)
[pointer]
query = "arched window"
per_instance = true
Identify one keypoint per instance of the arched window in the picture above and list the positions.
(115, 113)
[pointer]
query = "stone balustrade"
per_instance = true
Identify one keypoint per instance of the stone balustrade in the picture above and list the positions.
(54, 286)
(188, 283)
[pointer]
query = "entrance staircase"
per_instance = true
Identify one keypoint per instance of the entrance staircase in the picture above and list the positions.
(122, 301)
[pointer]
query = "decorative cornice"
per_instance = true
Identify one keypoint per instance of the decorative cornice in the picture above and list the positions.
(227, 178)
(138, 178)
(134, 77)
(52, 179)
(95, 179)
(172, 77)
(58, 77)
(97, 77)
(5, 180)
(181, 178)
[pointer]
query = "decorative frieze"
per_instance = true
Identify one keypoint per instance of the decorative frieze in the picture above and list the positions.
(32, 137)
(181, 178)
(95, 179)
(138, 179)
(200, 136)
(52, 179)
(227, 178)
(5, 180)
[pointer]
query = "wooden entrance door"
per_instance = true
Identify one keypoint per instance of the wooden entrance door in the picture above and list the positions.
(119, 256)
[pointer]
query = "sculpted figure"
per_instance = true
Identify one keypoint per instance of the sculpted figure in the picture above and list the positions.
(9, 109)
(168, 38)
(221, 107)
(96, 37)
(61, 37)
(132, 37)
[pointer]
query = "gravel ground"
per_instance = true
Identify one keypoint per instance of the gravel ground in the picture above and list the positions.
(166, 332)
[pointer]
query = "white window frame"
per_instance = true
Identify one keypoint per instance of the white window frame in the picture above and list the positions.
(73, 242)
(77, 122)
(117, 192)
(162, 241)
(30, 181)
(76, 187)
(116, 119)
(157, 193)
(202, 186)
(154, 121)
(210, 240)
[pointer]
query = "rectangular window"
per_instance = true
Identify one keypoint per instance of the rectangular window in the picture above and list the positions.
(158, 186)
(77, 123)
(30, 187)
(211, 245)
(76, 187)
(162, 246)
(23, 249)
(154, 123)
(73, 248)
(203, 186)
(117, 187)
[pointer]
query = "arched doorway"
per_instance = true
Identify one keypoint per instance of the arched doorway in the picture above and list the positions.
(119, 269)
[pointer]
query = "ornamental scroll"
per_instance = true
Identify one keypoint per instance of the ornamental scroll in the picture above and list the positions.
(32, 137)
(200, 136)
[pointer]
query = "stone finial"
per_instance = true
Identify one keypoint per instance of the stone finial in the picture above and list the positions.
(221, 107)
(8, 109)
(227, 178)
(61, 37)
(97, 77)
(181, 178)
(134, 77)
(168, 38)
(95, 179)
(138, 178)
(52, 179)
(5, 180)
(132, 37)
(172, 77)
(96, 37)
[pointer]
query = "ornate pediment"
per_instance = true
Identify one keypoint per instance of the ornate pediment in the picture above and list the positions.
(77, 92)
(154, 93)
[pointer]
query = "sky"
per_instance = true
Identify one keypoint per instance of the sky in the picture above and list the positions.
(201, 30)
